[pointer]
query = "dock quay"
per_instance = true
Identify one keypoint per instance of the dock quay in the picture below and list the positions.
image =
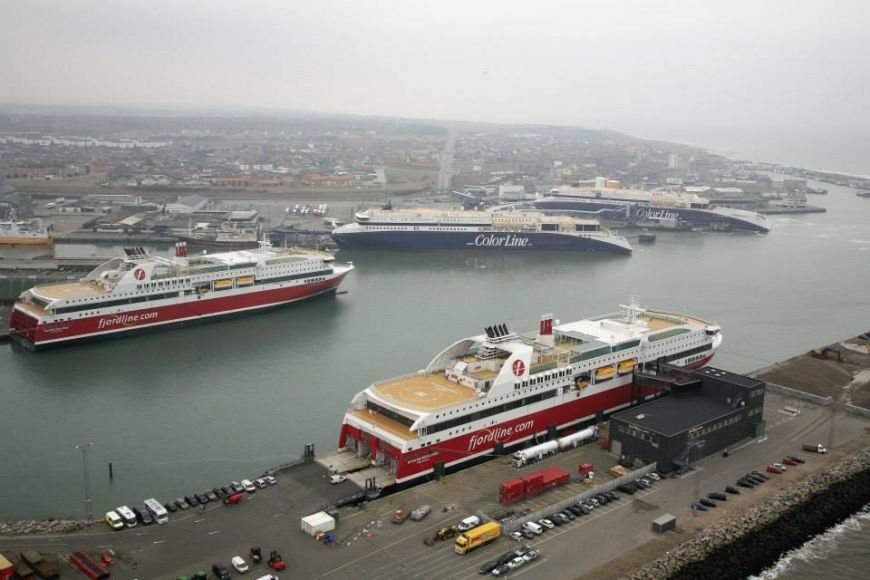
(609, 542)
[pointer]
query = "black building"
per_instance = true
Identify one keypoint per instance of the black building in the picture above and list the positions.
(706, 412)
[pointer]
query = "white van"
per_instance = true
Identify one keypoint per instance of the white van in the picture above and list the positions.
(158, 512)
(468, 523)
(114, 520)
(248, 485)
(534, 528)
(127, 515)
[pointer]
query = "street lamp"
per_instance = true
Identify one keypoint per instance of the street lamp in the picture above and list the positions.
(83, 447)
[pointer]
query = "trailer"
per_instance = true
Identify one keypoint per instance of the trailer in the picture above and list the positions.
(578, 438)
(88, 566)
(534, 453)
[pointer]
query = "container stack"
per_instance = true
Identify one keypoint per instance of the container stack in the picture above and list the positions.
(532, 485)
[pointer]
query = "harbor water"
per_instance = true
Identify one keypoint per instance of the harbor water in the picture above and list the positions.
(180, 411)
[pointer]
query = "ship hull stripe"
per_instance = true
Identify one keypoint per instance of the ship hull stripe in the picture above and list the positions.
(478, 241)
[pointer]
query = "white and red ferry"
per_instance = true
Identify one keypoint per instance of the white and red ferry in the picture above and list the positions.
(140, 292)
(506, 388)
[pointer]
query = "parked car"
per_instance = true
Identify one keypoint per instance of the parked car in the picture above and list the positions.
(182, 505)
(699, 507)
(261, 483)
(270, 480)
(780, 466)
(774, 468)
(707, 502)
(556, 520)
(654, 476)
(611, 495)
(237, 487)
(567, 514)
(201, 498)
(759, 474)
(499, 570)
(797, 459)
(191, 500)
(584, 508)
(239, 564)
(732, 490)
(718, 495)
(517, 536)
(421, 512)
(220, 571)
(643, 483)
(560, 517)
(531, 555)
(143, 515)
(227, 489)
(746, 483)
(487, 567)
(547, 524)
(627, 488)
(516, 563)
(589, 505)
(219, 492)
(170, 507)
(248, 486)
(602, 499)
(212, 496)
(528, 534)
(575, 510)
(594, 501)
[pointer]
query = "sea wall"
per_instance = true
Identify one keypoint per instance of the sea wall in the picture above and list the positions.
(50, 526)
(741, 546)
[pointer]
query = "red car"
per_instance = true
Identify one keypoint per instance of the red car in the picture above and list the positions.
(789, 461)
(233, 498)
(774, 469)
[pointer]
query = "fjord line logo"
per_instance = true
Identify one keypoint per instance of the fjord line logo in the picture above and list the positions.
(496, 434)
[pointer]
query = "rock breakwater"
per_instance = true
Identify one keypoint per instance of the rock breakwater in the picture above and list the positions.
(25, 527)
(741, 546)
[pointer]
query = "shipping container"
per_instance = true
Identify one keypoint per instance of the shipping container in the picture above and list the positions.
(319, 522)
(554, 477)
(512, 487)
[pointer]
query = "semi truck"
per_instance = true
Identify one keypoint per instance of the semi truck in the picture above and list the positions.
(476, 537)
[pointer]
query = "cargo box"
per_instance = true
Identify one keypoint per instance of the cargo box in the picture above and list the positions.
(512, 486)
(554, 477)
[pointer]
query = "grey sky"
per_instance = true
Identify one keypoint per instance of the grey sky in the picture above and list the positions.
(610, 64)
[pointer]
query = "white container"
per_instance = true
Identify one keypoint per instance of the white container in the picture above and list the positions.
(315, 523)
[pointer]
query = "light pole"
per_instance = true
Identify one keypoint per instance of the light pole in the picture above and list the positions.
(83, 447)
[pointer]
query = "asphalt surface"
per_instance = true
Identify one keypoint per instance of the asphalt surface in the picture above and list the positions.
(369, 546)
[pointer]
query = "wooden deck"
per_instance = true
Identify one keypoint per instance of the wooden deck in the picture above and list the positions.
(385, 423)
(428, 392)
(69, 290)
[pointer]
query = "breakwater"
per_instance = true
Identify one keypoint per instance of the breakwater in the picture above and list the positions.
(50, 526)
(741, 546)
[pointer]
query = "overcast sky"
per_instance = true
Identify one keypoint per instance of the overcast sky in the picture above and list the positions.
(630, 65)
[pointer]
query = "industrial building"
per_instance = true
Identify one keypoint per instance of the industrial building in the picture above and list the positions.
(706, 412)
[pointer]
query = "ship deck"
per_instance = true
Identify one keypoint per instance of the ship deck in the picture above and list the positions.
(68, 290)
(33, 309)
(424, 393)
(385, 423)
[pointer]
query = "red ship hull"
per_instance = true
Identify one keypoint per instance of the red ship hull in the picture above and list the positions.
(455, 451)
(26, 329)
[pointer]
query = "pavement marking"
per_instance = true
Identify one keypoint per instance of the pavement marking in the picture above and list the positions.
(159, 542)
(214, 532)
(199, 520)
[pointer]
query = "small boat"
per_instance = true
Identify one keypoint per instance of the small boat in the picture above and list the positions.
(604, 373)
(626, 366)
(646, 238)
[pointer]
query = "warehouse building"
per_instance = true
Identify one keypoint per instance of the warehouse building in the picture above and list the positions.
(707, 412)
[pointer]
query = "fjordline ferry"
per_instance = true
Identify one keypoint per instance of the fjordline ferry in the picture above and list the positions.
(506, 388)
(141, 292)
(506, 230)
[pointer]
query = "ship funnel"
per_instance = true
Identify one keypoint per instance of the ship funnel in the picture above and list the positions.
(545, 331)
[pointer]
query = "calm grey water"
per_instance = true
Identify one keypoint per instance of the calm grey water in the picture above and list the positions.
(183, 410)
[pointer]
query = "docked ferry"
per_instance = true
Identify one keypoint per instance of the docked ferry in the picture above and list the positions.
(15, 232)
(506, 230)
(651, 209)
(502, 389)
(141, 292)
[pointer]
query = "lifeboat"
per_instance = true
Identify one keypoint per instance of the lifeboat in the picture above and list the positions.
(626, 366)
(604, 373)
(223, 284)
(581, 382)
(244, 281)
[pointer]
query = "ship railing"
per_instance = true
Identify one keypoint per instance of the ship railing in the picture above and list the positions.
(554, 508)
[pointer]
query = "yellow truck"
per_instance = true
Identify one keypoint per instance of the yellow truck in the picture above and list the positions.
(482, 534)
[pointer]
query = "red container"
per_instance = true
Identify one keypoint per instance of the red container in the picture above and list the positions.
(554, 477)
(584, 468)
(507, 499)
(512, 487)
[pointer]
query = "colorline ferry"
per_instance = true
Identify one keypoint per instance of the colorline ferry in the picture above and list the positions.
(142, 292)
(652, 209)
(500, 230)
(502, 388)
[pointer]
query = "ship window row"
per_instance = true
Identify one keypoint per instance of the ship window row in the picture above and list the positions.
(489, 412)
(150, 285)
(690, 352)
(295, 277)
(380, 410)
(108, 304)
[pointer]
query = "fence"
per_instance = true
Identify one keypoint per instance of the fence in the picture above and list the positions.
(825, 401)
(849, 408)
(551, 509)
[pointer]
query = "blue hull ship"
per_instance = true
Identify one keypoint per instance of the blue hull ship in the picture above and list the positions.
(510, 231)
(647, 209)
